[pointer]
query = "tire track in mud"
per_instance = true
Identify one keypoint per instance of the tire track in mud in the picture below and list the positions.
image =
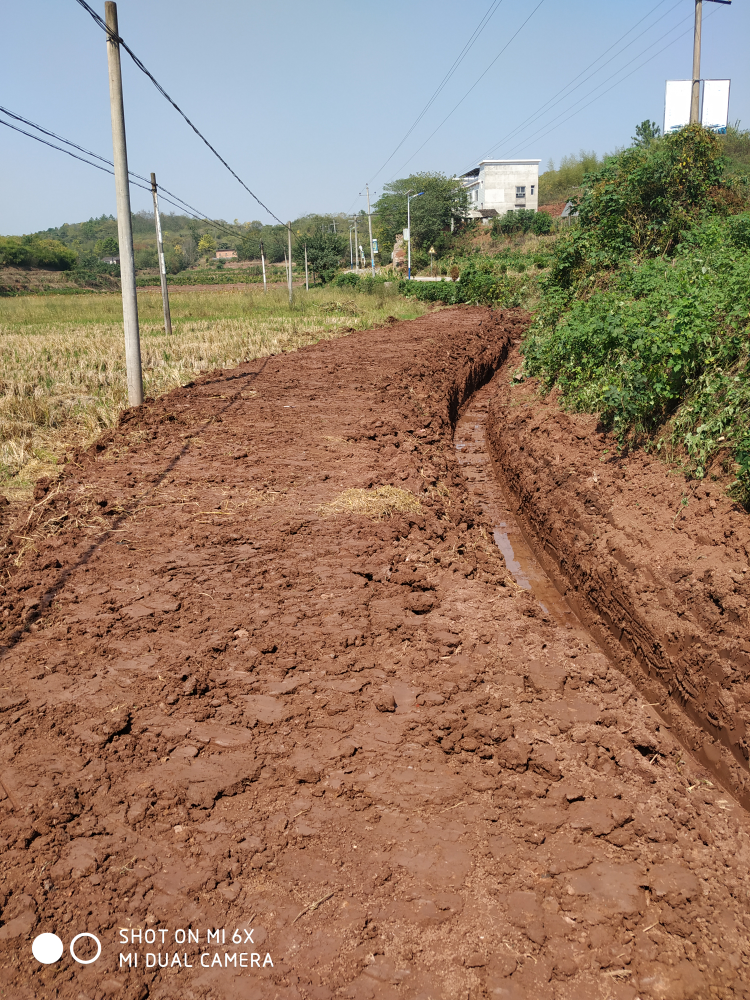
(356, 740)
(526, 569)
(664, 593)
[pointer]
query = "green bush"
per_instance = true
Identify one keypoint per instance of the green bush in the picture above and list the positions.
(642, 199)
(27, 252)
(645, 306)
(668, 341)
(14, 253)
(347, 279)
(146, 258)
(482, 280)
(523, 220)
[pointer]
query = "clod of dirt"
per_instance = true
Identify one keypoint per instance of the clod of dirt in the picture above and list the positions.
(385, 701)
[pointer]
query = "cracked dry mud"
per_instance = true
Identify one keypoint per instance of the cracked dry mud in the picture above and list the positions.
(357, 741)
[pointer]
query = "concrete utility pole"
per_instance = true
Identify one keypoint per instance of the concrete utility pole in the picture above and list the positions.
(307, 276)
(369, 223)
(289, 235)
(351, 251)
(124, 226)
(162, 262)
(695, 99)
(409, 197)
(356, 246)
(263, 265)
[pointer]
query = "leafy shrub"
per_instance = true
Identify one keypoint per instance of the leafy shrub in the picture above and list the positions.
(667, 341)
(146, 258)
(482, 280)
(348, 279)
(643, 198)
(27, 252)
(523, 220)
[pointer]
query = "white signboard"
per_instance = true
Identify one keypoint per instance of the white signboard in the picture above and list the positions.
(715, 105)
(677, 105)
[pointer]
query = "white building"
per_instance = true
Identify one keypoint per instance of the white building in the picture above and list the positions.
(499, 186)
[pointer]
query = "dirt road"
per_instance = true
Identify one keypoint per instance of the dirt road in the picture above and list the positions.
(277, 749)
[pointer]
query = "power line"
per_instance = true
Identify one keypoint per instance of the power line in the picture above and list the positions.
(456, 63)
(476, 82)
(194, 212)
(561, 96)
(541, 131)
(120, 41)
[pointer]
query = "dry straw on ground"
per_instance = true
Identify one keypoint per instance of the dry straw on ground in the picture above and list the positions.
(63, 368)
(376, 504)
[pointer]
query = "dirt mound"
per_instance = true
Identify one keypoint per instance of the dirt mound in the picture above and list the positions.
(267, 750)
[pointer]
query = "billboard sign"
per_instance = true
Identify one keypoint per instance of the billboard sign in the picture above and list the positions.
(715, 105)
(677, 105)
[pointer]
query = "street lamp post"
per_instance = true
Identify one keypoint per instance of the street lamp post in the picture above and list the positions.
(409, 197)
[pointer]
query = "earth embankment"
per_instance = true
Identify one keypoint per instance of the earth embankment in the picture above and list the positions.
(265, 674)
(656, 567)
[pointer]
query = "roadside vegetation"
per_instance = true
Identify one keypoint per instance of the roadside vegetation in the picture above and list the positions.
(644, 310)
(63, 367)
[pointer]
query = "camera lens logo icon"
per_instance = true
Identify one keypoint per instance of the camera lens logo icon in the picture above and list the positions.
(48, 948)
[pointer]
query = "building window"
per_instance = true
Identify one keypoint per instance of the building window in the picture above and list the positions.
(532, 190)
(521, 191)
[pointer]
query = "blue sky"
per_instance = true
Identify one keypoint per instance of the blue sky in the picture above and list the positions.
(306, 101)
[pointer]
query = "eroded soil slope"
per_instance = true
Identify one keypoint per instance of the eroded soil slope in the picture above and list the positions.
(656, 566)
(353, 746)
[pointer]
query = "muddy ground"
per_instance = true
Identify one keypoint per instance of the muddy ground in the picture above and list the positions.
(656, 566)
(354, 750)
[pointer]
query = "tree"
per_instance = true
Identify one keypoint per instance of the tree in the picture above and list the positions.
(206, 244)
(194, 229)
(325, 252)
(645, 133)
(107, 248)
(444, 200)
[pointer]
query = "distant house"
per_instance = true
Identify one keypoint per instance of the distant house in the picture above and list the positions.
(499, 186)
(226, 255)
(109, 260)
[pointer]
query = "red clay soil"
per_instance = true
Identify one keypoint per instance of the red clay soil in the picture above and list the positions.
(352, 750)
(656, 567)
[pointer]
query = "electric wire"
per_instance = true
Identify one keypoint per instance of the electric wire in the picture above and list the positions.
(194, 213)
(471, 88)
(120, 41)
(456, 63)
(562, 95)
(88, 152)
(541, 132)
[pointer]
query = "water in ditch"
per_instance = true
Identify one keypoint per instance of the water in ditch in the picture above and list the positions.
(522, 564)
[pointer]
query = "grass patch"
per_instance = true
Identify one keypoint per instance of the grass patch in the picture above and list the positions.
(63, 364)
(377, 504)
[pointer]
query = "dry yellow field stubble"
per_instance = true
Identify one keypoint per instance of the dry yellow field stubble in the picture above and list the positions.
(63, 366)
(378, 503)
